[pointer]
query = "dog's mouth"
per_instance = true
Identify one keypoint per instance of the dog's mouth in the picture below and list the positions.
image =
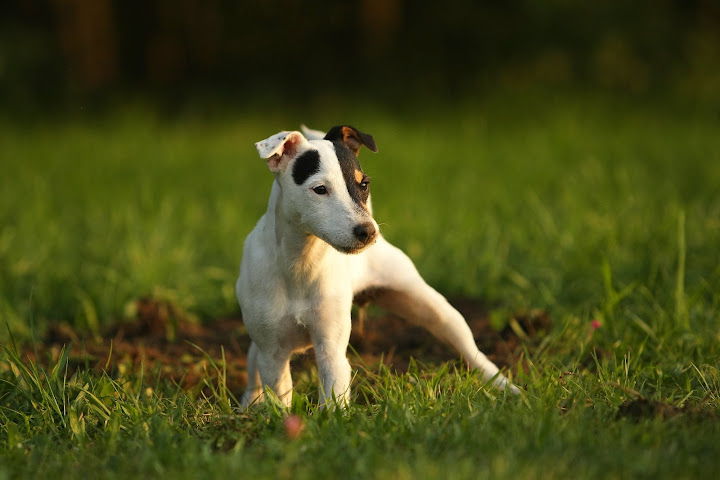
(363, 236)
(351, 250)
(355, 249)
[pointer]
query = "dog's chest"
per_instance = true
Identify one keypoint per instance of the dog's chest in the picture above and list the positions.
(308, 303)
(296, 322)
(301, 313)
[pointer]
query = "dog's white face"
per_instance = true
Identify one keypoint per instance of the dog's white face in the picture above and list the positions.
(324, 187)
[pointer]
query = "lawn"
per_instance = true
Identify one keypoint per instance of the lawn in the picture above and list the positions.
(601, 212)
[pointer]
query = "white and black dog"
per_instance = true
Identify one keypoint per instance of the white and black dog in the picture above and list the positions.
(315, 249)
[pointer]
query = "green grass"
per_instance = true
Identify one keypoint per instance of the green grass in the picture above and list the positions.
(592, 209)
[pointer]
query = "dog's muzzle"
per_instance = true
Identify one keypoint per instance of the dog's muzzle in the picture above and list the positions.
(365, 233)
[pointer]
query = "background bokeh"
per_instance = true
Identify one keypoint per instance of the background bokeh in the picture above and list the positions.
(550, 160)
(94, 54)
(523, 144)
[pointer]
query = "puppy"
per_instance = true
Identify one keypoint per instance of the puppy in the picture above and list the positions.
(314, 250)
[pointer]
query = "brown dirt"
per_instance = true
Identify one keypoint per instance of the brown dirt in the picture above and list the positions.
(165, 343)
(638, 409)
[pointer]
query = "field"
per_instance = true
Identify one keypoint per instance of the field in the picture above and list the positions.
(580, 232)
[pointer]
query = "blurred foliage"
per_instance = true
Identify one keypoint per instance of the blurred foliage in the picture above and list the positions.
(54, 52)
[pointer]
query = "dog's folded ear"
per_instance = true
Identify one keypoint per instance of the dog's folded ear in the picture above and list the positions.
(352, 137)
(279, 149)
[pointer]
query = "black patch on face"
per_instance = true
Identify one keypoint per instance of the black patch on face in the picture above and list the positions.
(306, 165)
(349, 165)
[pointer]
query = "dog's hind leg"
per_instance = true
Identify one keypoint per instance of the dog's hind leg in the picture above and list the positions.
(400, 289)
(254, 391)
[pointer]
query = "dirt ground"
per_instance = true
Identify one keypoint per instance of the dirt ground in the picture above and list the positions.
(166, 344)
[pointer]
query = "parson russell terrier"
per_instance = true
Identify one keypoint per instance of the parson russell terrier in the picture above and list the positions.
(315, 249)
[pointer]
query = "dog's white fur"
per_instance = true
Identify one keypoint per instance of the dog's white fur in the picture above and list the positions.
(296, 286)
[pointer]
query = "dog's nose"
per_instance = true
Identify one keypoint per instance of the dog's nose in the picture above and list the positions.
(364, 232)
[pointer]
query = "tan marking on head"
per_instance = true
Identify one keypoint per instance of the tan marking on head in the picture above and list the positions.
(351, 139)
(359, 176)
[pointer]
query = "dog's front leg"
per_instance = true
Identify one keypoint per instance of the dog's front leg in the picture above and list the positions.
(330, 337)
(254, 391)
(274, 367)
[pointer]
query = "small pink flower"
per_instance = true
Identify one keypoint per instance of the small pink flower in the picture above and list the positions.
(294, 426)
(595, 324)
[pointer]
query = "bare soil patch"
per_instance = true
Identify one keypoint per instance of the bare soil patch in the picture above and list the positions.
(165, 343)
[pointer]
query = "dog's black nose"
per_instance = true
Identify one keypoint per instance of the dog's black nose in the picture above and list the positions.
(364, 232)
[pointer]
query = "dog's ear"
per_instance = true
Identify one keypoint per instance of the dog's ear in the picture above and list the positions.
(352, 137)
(279, 149)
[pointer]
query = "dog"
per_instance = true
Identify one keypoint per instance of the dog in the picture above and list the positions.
(315, 249)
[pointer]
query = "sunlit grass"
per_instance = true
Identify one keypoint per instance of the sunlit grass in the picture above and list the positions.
(425, 422)
(606, 215)
(490, 203)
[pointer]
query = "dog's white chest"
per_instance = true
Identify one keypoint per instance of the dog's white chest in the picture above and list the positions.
(301, 314)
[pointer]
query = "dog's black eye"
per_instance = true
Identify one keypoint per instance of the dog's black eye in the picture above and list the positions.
(320, 190)
(364, 184)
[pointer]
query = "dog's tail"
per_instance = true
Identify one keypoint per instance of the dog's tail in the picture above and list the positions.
(311, 134)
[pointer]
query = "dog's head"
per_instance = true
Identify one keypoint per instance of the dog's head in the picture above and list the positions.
(323, 187)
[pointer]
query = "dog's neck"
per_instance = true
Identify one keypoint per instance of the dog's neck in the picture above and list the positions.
(300, 255)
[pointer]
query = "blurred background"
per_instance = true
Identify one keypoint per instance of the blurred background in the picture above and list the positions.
(58, 55)
(128, 168)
